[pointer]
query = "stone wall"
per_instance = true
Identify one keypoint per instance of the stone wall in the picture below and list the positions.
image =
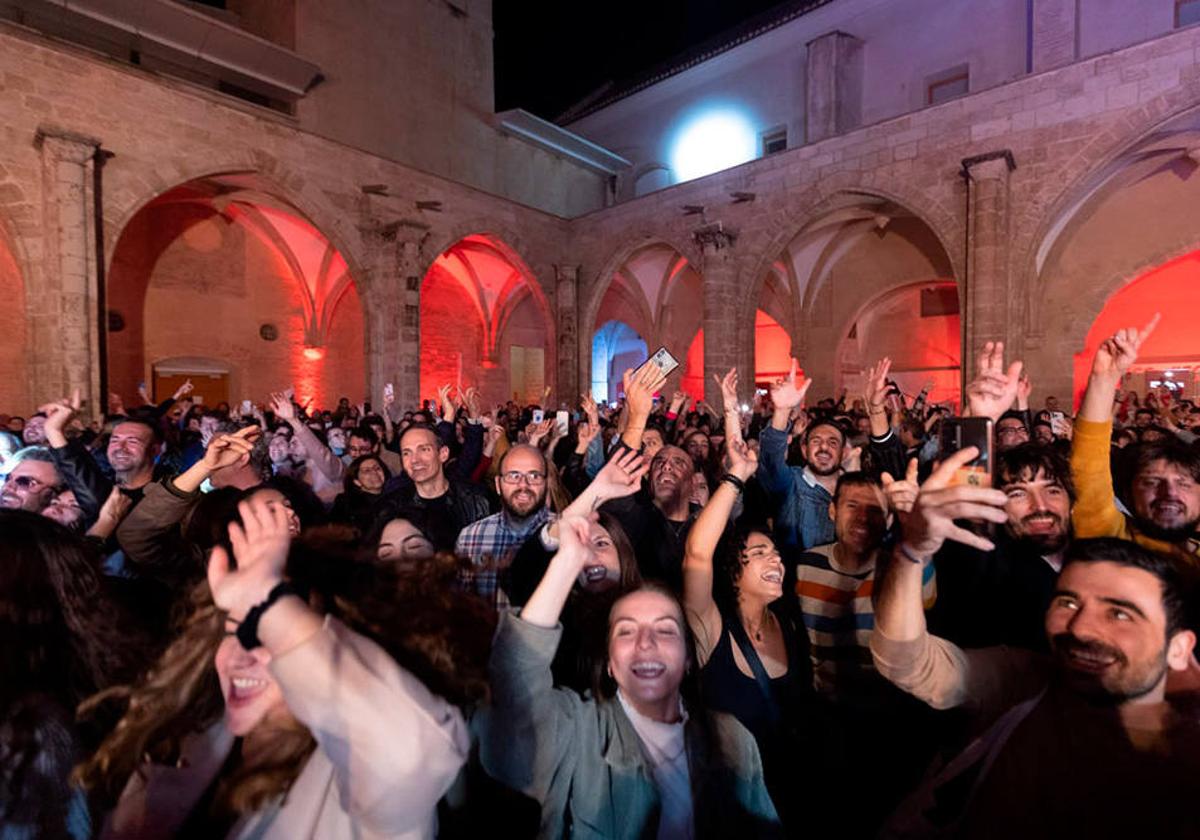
(1072, 133)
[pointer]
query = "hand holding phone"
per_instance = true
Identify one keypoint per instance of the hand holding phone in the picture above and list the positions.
(961, 432)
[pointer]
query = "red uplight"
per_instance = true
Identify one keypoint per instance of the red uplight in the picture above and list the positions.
(314, 353)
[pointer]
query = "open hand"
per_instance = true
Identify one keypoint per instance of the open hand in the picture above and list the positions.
(260, 547)
(939, 503)
(787, 391)
(992, 392)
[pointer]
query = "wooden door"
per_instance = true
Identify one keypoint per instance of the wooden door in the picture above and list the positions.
(210, 388)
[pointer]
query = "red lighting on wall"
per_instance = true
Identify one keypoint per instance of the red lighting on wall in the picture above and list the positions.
(1170, 289)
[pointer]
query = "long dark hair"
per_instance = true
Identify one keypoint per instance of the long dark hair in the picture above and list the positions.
(61, 639)
(438, 634)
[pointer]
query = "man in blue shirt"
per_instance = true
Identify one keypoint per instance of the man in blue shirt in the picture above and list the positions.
(801, 495)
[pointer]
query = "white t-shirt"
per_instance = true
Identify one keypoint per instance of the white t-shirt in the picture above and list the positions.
(666, 751)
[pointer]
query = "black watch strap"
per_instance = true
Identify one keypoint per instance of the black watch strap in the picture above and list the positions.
(247, 631)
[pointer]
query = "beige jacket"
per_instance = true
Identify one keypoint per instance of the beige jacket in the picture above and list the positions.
(387, 750)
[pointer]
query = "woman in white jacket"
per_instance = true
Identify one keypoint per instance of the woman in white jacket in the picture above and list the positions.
(269, 717)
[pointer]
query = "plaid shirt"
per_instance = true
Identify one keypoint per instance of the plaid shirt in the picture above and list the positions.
(491, 544)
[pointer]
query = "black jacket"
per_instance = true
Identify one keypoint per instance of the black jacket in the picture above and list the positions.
(463, 504)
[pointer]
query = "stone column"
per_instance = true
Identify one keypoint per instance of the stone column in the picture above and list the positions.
(570, 349)
(1053, 34)
(719, 273)
(988, 307)
(63, 311)
(832, 86)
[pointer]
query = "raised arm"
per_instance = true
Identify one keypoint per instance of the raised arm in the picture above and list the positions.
(1095, 513)
(395, 746)
(320, 455)
(640, 387)
(925, 666)
(705, 534)
(994, 388)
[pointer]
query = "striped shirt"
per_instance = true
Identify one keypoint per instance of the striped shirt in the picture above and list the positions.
(839, 616)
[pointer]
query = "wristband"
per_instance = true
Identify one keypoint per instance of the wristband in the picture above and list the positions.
(909, 555)
(672, 415)
(737, 483)
(247, 631)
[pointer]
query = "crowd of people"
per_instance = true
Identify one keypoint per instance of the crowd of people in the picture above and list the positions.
(653, 620)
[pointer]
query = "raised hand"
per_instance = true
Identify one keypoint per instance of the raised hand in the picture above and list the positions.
(471, 401)
(901, 495)
(183, 390)
(740, 459)
(116, 405)
(875, 390)
(228, 450)
(728, 385)
(537, 431)
(992, 392)
(852, 460)
(585, 433)
(591, 410)
(445, 403)
(787, 392)
(260, 547)
(283, 407)
(1118, 352)
(640, 388)
(800, 423)
(58, 415)
(1024, 389)
(142, 392)
(939, 503)
(621, 476)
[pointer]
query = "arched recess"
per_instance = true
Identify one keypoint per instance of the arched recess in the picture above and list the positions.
(1130, 218)
(918, 327)
(859, 248)
(656, 291)
(1172, 352)
(15, 352)
(224, 267)
(616, 347)
(485, 322)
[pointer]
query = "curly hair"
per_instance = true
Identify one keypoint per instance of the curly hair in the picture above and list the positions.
(441, 636)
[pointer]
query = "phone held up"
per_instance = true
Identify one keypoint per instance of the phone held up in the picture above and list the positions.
(961, 432)
(662, 359)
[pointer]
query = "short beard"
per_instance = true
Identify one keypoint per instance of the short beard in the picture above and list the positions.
(1178, 534)
(1043, 546)
(1093, 689)
(538, 504)
(825, 473)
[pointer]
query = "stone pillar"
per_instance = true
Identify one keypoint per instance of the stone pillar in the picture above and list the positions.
(63, 310)
(410, 269)
(987, 311)
(832, 86)
(569, 355)
(1053, 34)
(718, 271)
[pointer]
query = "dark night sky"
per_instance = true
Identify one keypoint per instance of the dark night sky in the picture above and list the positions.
(551, 53)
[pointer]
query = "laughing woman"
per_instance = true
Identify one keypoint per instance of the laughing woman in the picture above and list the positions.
(269, 717)
(645, 759)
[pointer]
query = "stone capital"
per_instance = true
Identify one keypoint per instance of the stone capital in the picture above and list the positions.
(66, 146)
(991, 166)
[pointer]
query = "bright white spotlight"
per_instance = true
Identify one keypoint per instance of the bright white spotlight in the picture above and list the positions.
(713, 141)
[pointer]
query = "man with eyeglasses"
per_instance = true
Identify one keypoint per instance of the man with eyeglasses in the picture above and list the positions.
(33, 480)
(492, 542)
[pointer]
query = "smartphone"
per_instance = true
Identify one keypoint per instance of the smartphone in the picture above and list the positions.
(247, 408)
(388, 391)
(961, 432)
(562, 422)
(663, 360)
(538, 415)
(1057, 416)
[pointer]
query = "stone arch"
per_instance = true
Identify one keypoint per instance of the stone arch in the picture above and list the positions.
(831, 207)
(496, 315)
(1087, 178)
(601, 282)
(242, 200)
(128, 193)
(18, 350)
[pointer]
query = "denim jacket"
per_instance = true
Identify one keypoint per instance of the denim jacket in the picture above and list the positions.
(801, 504)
